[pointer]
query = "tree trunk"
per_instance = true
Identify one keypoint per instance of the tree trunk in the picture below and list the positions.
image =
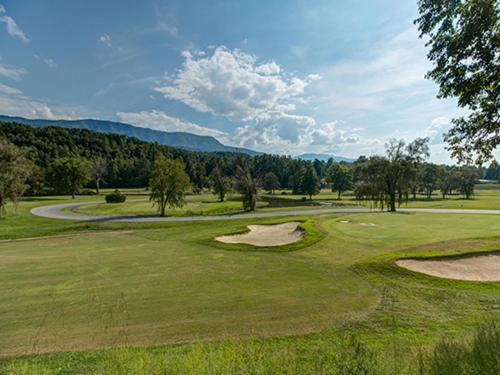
(97, 186)
(72, 194)
(392, 201)
(339, 195)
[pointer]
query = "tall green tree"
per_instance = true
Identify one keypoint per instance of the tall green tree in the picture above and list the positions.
(464, 41)
(340, 175)
(247, 185)
(430, 178)
(15, 170)
(168, 183)
(69, 174)
(310, 181)
(467, 179)
(383, 177)
(221, 184)
(270, 182)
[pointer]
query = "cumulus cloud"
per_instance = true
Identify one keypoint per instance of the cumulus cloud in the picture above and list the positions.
(159, 120)
(11, 26)
(105, 39)
(14, 104)
(234, 84)
(437, 128)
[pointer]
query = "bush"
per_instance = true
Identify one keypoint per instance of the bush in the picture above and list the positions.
(476, 356)
(86, 192)
(116, 197)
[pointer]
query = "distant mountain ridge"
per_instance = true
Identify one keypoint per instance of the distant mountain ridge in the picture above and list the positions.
(324, 157)
(187, 141)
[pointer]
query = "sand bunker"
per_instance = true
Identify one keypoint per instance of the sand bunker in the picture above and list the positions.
(267, 235)
(484, 267)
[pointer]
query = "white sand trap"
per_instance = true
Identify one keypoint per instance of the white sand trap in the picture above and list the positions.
(484, 267)
(267, 235)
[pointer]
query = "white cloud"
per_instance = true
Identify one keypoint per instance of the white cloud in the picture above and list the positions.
(232, 84)
(105, 39)
(9, 90)
(437, 128)
(161, 121)
(12, 73)
(12, 28)
(16, 105)
(47, 61)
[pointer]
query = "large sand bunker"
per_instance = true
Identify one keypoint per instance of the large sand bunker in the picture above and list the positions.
(483, 267)
(267, 235)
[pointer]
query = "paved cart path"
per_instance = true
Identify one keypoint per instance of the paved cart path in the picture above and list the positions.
(55, 211)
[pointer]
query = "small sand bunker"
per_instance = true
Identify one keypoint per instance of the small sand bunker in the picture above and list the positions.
(484, 267)
(267, 235)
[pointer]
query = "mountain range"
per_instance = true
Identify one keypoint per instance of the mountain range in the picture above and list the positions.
(324, 157)
(182, 140)
(187, 141)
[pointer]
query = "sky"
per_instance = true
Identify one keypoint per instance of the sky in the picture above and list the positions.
(286, 77)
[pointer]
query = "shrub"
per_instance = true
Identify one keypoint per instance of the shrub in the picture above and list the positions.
(115, 197)
(87, 192)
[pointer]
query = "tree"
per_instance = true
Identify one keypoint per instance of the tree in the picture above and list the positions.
(383, 177)
(221, 184)
(15, 170)
(296, 177)
(310, 181)
(467, 180)
(464, 40)
(168, 183)
(430, 174)
(98, 169)
(340, 175)
(493, 171)
(69, 174)
(247, 185)
(445, 182)
(270, 182)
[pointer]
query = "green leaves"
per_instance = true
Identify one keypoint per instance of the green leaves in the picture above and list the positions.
(465, 49)
(168, 183)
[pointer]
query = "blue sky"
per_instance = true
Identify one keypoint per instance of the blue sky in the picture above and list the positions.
(277, 76)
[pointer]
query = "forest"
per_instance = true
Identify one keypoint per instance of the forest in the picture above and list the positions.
(118, 161)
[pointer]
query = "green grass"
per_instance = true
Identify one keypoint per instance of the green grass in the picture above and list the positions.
(181, 303)
(197, 205)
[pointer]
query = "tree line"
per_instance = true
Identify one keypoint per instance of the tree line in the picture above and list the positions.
(54, 160)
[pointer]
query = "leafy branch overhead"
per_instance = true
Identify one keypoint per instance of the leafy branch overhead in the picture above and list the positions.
(464, 41)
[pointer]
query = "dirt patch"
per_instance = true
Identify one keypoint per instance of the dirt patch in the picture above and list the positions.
(483, 267)
(267, 235)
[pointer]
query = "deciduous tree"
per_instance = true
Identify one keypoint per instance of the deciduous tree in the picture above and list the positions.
(270, 182)
(69, 174)
(168, 183)
(15, 170)
(464, 41)
(340, 175)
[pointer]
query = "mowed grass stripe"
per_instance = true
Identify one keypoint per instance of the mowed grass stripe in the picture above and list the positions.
(105, 289)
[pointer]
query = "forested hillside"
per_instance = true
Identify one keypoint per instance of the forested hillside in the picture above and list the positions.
(182, 140)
